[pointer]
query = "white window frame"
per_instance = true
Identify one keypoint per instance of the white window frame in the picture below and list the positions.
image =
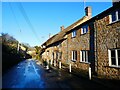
(74, 33)
(116, 14)
(84, 58)
(116, 57)
(74, 52)
(81, 30)
(84, 29)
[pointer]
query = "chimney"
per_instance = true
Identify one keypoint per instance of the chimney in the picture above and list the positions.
(88, 11)
(114, 2)
(62, 28)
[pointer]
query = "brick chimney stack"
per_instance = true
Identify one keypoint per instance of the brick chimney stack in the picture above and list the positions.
(88, 11)
(62, 28)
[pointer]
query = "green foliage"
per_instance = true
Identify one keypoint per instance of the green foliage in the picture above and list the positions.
(6, 38)
(26, 45)
(38, 49)
(10, 55)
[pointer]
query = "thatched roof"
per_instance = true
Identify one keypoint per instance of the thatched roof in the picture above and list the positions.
(61, 35)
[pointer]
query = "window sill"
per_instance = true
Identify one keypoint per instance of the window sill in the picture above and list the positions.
(85, 62)
(73, 60)
(73, 37)
(83, 34)
(113, 22)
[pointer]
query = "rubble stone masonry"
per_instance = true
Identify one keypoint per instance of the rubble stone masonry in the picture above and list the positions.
(108, 37)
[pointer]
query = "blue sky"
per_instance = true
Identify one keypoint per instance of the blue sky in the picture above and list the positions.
(32, 22)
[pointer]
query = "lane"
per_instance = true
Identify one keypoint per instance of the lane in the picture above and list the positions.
(23, 75)
(13, 75)
(28, 74)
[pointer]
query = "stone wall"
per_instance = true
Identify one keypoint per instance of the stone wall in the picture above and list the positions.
(107, 38)
(64, 52)
(78, 43)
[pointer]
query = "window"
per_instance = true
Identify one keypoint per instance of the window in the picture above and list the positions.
(114, 57)
(115, 16)
(57, 55)
(84, 29)
(74, 55)
(60, 55)
(74, 33)
(84, 56)
(53, 55)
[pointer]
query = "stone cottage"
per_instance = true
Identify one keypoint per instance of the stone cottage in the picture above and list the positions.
(96, 44)
(56, 47)
(89, 43)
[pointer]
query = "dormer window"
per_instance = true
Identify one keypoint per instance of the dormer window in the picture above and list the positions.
(74, 33)
(115, 16)
(84, 29)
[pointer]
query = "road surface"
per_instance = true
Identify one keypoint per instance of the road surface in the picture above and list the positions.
(27, 74)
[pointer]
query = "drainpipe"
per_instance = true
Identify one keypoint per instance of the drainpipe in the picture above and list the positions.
(96, 57)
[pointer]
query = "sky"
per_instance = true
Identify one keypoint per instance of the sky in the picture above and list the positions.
(32, 22)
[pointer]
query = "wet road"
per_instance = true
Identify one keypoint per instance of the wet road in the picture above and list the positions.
(28, 74)
(24, 75)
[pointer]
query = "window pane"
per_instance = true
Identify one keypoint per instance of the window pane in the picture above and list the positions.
(118, 57)
(86, 56)
(53, 56)
(56, 55)
(113, 53)
(82, 56)
(82, 30)
(119, 14)
(113, 61)
(113, 16)
(75, 55)
(86, 29)
(75, 32)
